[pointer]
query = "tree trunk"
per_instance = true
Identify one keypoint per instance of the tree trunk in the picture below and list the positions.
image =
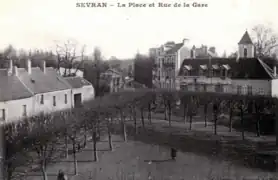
(85, 137)
(206, 114)
(135, 121)
(9, 171)
(190, 121)
(258, 125)
(110, 136)
(242, 125)
(231, 119)
(142, 118)
(215, 122)
(165, 113)
(185, 112)
(149, 113)
(66, 147)
(74, 158)
(95, 144)
(169, 115)
(43, 169)
(123, 127)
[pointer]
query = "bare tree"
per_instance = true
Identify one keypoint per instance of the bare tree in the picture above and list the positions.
(68, 57)
(265, 40)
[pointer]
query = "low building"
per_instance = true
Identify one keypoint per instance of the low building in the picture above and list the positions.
(81, 90)
(32, 90)
(245, 74)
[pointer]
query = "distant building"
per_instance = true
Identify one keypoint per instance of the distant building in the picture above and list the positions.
(203, 52)
(168, 59)
(113, 78)
(32, 90)
(244, 74)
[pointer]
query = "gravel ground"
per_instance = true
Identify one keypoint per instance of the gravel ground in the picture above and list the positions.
(136, 160)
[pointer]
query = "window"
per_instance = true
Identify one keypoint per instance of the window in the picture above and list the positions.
(42, 99)
(2, 114)
(66, 99)
(239, 89)
(54, 100)
(244, 90)
(205, 87)
(261, 91)
(24, 110)
(249, 90)
(245, 52)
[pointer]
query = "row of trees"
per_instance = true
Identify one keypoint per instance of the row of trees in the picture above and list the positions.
(47, 135)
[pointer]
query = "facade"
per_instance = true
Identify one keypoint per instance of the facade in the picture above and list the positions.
(245, 74)
(114, 79)
(32, 90)
(168, 59)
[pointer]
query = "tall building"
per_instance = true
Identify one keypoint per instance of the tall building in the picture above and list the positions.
(167, 61)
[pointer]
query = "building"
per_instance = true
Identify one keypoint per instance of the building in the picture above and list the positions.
(113, 78)
(245, 74)
(203, 52)
(168, 59)
(81, 90)
(32, 90)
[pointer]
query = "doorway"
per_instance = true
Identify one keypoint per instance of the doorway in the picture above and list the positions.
(77, 100)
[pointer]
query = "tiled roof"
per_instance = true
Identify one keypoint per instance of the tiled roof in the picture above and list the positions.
(39, 82)
(245, 39)
(244, 68)
(174, 49)
(12, 88)
(77, 82)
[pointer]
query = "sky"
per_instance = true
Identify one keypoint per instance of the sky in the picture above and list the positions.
(121, 32)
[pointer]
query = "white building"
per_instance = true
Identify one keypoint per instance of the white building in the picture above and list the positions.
(246, 74)
(28, 91)
(168, 59)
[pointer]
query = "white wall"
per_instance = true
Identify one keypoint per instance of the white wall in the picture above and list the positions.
(183, 53)
(265, 85)
(14, 109)
(47, 106)
(274, 87)
(250, 50)
(87, 93)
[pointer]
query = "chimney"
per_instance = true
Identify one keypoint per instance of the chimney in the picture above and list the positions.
(184, 40)
(28, 66)
(15, 71)
(43, 66)
(274, 71)
(10, 68)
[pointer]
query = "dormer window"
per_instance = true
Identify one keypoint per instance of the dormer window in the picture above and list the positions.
(203, 69)
(226, 68)
(187, 70)
(215, 69)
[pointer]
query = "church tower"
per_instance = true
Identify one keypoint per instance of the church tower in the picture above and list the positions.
(246, 48)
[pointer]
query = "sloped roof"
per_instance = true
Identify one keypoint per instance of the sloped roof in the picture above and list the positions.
(39, 82)
(244, 68)
(12, 88)
(77, 82)
(245, 39)
(174, 49)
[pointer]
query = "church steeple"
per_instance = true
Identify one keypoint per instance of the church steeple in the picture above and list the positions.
(246, 47)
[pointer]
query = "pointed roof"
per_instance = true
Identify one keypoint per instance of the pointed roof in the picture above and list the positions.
(245, 39)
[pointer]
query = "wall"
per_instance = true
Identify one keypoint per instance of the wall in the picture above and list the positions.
(183, 53)
(274, 87)
(265, 85)
(87, 93)
(47, 106)
(250, 50)
(14, 109)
